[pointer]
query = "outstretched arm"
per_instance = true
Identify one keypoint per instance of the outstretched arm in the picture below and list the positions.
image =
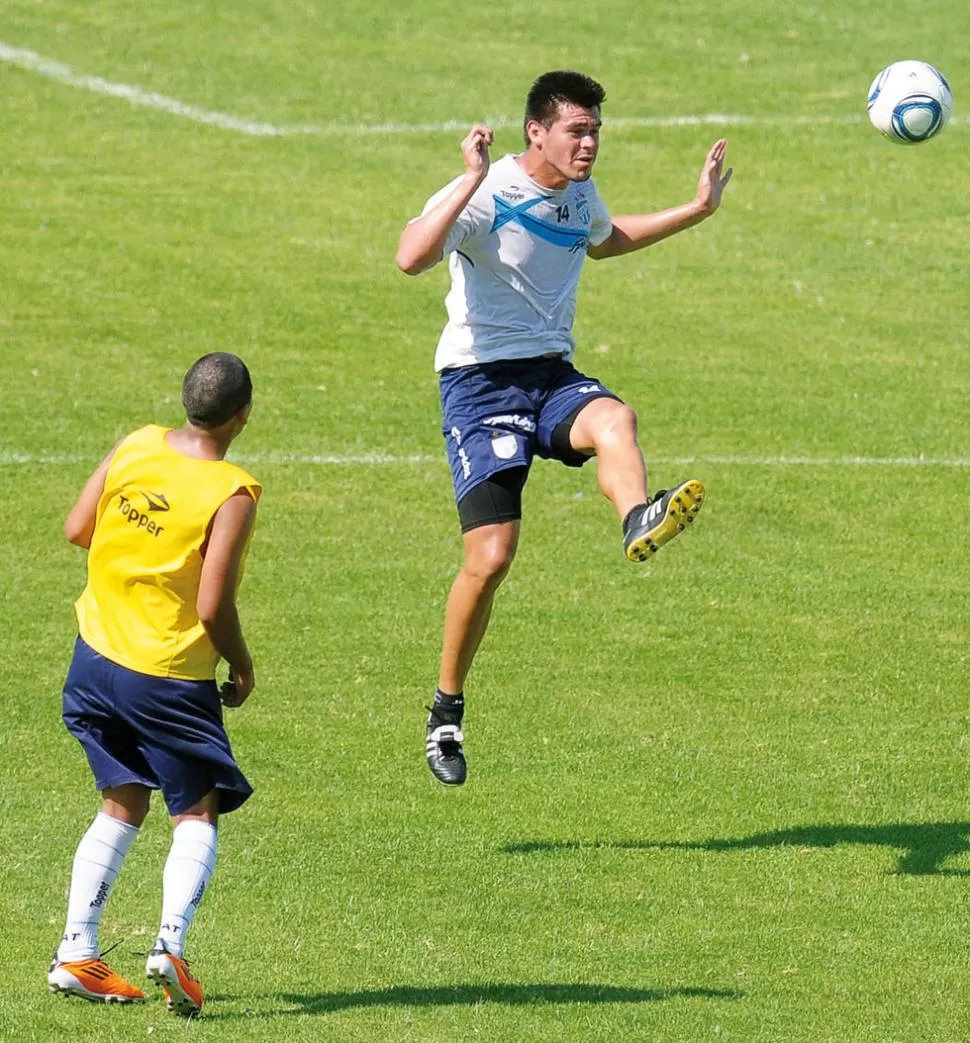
(216, 602)
(423, 239)
(79, 524)
(635, 231)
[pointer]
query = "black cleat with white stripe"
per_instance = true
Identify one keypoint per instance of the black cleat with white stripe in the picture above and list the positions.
(649, 527)
(446, 758)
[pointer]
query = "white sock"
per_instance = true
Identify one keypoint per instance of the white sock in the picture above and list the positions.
(97, 863)
(191, 862)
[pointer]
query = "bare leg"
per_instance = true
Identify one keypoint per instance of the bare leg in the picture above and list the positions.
(607, 429)
(127, 803)
(489, 550)
(207, 809)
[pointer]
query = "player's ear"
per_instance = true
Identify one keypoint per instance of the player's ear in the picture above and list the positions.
(534, 131)
(243, 415)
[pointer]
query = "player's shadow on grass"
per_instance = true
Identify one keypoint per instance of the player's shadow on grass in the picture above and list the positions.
(504, 994)
(925, 846)
(471, 995)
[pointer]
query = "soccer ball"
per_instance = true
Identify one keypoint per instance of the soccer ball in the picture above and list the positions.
(909, 102)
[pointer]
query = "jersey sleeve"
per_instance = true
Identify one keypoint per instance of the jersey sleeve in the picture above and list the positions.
(601, 224)
(474, 220)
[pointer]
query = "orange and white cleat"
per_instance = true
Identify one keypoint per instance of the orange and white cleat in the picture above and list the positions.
(91, 979)
(183, 991)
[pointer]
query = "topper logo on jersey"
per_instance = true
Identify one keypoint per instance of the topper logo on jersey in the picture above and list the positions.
(155, 501)
(139, 518)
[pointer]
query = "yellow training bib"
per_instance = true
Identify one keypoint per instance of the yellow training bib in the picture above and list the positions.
(145, 560)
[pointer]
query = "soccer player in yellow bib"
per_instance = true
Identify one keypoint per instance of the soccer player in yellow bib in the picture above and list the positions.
(166, 521)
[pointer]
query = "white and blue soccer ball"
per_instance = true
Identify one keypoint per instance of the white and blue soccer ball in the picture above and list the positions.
(909, 102)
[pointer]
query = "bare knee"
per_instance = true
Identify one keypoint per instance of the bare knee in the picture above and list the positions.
(127, 803)
(619, 425)
(206, 809)
(489, 552)
(604, 423)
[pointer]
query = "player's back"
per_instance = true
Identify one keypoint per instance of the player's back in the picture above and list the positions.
(145, 559)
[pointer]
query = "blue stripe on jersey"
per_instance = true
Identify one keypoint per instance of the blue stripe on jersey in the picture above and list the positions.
(568, 238)
(505, 212)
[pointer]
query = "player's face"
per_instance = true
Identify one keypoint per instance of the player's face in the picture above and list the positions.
(569, 146)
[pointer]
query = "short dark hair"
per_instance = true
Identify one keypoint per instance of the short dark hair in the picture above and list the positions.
(560, 87)
(215, 389)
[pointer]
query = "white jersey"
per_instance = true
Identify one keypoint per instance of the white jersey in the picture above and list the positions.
(515, 256)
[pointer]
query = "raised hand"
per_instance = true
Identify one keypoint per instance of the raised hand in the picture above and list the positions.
(474, 149)
(712, 182)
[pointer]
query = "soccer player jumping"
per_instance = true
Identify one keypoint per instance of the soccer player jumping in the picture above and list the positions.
(517, 233)
(166, 521)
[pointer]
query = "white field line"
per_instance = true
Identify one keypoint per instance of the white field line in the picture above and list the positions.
(54, 70)
(391, 460)
(31, 61)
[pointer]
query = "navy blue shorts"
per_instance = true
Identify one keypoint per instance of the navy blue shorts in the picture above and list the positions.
(155, 731)
(502, 414)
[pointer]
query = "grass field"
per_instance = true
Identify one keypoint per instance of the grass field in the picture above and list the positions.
(721, 796)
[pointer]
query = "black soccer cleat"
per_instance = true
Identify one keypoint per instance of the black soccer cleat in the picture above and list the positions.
(667, 514)
(446, 759)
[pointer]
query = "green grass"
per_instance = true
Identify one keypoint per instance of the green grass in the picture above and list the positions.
(717, 797)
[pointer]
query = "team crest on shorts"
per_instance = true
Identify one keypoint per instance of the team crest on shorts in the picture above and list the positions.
(505, 446)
